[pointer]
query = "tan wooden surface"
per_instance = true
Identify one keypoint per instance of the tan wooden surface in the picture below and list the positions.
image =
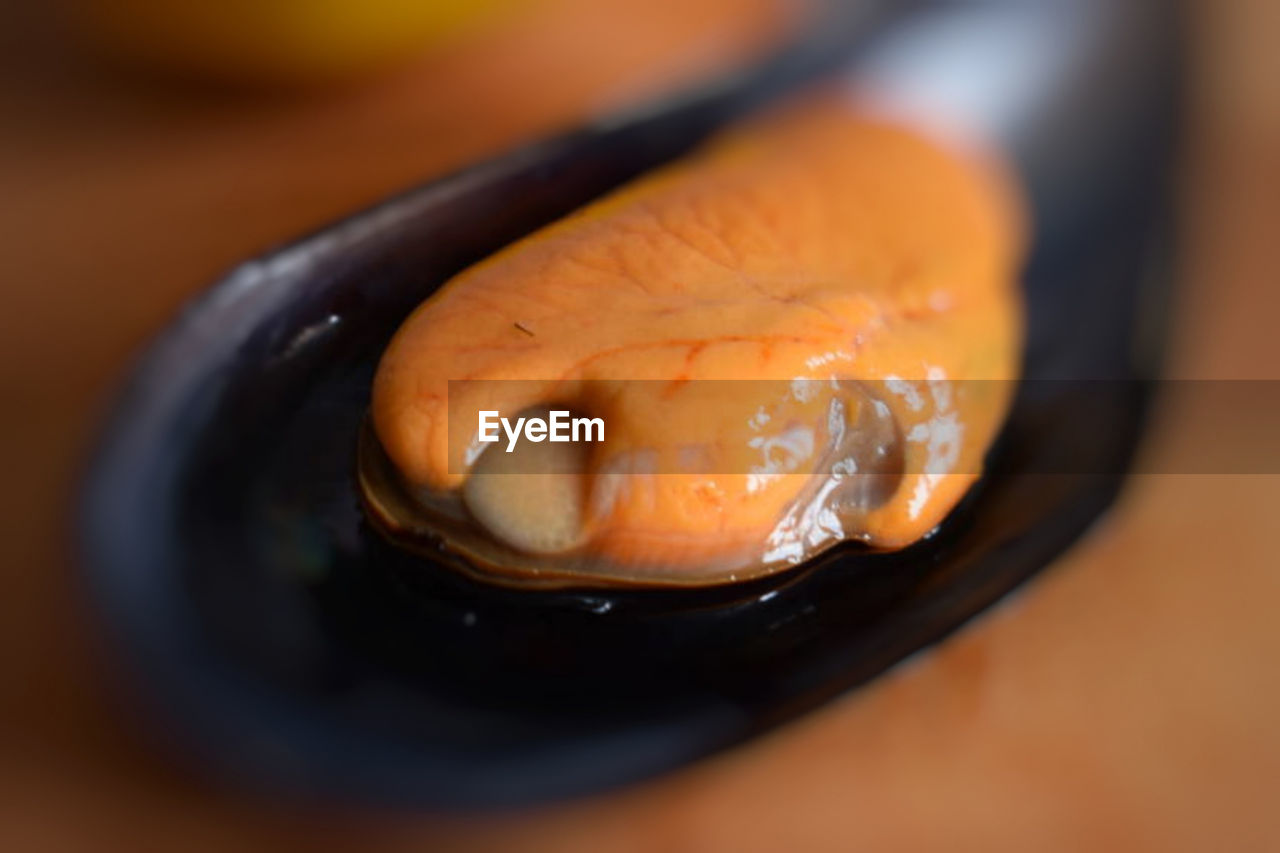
(1126, 701)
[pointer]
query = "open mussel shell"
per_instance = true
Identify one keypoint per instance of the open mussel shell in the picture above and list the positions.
(297, 650)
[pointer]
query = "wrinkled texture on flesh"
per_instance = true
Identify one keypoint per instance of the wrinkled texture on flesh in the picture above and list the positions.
(814, 243)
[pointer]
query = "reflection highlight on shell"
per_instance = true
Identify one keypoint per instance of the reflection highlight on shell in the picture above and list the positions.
(805, 333)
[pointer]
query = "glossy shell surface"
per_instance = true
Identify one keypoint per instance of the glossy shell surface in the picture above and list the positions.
(236, 580)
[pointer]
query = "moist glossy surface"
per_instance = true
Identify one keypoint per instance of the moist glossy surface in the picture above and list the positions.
(740, 320)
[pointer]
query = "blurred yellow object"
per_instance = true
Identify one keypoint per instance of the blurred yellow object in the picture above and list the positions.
(277, 41)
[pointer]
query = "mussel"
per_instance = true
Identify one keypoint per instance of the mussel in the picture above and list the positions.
(807, 332)
(229, 550)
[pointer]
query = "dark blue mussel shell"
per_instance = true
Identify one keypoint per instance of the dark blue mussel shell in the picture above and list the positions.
(293, 650)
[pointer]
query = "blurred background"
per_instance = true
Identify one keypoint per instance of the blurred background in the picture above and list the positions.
(1124, 702)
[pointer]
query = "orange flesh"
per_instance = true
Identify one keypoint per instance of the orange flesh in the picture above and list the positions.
(815, 243)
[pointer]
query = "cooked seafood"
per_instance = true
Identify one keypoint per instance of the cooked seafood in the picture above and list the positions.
(803, 334)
